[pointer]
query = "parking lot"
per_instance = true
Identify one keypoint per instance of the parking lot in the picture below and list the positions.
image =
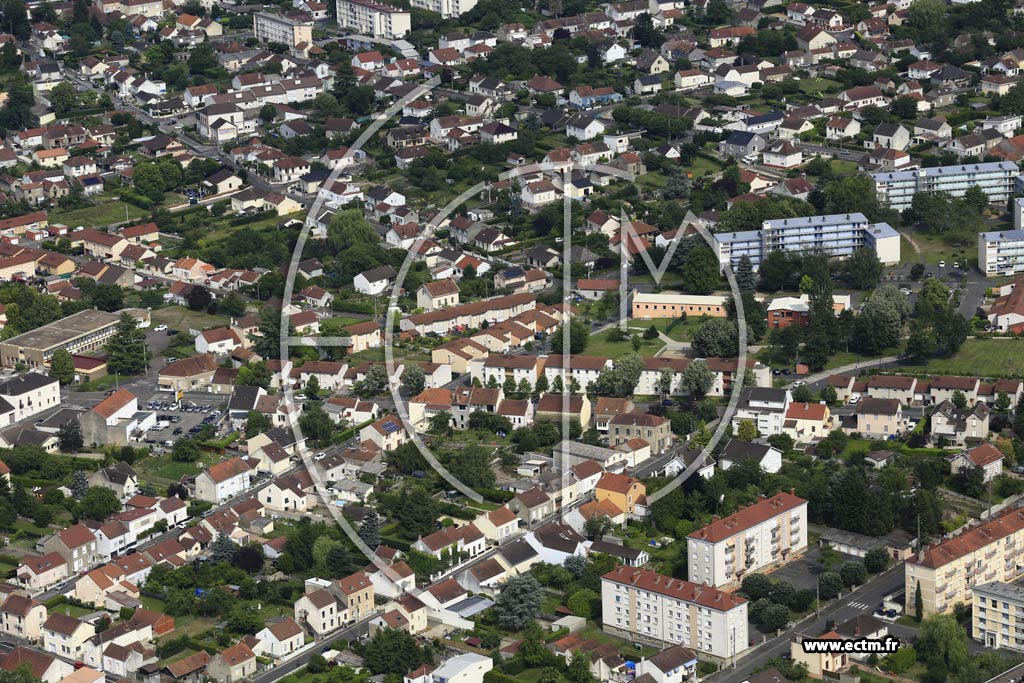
(175, 421)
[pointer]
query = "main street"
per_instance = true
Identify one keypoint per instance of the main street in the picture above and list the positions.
(866, 598)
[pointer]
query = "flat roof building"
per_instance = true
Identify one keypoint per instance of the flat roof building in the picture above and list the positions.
(78, 333)
(278, 28)
(996, 179)
(375, 19)
(1001, 252)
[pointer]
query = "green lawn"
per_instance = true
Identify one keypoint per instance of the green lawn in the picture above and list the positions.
(679, 331)
(842, 358)
(980, 357)
(165, 470)
(183, 319)
(600, 345)
(100, 384)
(107, 213)
(934, 249)
(702, 166)
(854, 445)
(816, 85)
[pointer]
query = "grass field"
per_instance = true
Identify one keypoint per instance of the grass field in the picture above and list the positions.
(107, 213)
(680, 331)
(816, 85)
(980, 358)
(933, 250)
(600, 345)
(181, 318)
(165, 470)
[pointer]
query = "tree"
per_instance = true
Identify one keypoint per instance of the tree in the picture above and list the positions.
(717, 338)
(374, 382)
(338, 562)
(583, 603)
(69, 436)
(698, 378)
(876, 560)
(756, 586)
(976, 198)
(249, 558)
(651, 333)
(222, 549)
(829, 585)
(127, 353)
(199, 298)
(773, 617)
(79, 484)
(256, 423)
(413, 378)
(578, 670)
(918, 602)
(1002, 403)
(863, 268)
(578, 335)
(63, 98)
(62, 367)
(393, 651)
(185, 450)
(746, 281)
(313, 388)
(699, 271)
(941, 637)
(829, 395)
(518, 602)
(747, 430)
(853, 573)
(598, 525)
(369, 530)
(98, 503)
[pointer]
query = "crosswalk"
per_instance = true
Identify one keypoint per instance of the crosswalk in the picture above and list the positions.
(858, 605)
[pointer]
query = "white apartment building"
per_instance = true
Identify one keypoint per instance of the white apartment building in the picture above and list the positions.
(996, 179)
(1002, 252)
(764, 406)
(643, 605)
(277, 28)
(997, 617)
(584, 369)
(948, 571)
(837, 234)
(380, 21)
(449, 9)
(767, 533)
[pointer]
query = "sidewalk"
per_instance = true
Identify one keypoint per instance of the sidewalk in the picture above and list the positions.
(851, 367)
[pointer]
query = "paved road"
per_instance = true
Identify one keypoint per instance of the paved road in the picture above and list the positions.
(867, 598)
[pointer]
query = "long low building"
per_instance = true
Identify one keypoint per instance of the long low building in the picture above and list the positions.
(946, 572)
(470, 316)
(674, 305)
(838, 235)
(80, 332)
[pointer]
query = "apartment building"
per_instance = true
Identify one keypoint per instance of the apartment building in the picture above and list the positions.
(838, 234)
(1001, 252)
(448, 9)
(642, 605)
(948, 571)
(374, 19)
(766, 407)
(996, 179)
(997, 616)
(764, 534)
(278, 28)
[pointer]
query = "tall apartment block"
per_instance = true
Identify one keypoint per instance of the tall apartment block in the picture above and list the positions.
(374, 19)
(997, 616)
(279, 28)
(1001, 253)
(897, 188)
(643, 605)
(838, 235)
(764, 534)
(449, 9)
(948, 571)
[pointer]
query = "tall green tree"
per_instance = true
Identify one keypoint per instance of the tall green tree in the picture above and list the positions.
(518, 602)
(127, 353)
(62, 367)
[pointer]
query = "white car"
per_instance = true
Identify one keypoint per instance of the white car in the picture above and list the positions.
(854, 400)
(798, 383)
(942, 264)
(905, 290)
(160, 328)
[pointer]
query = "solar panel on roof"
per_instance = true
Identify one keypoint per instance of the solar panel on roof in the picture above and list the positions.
(390, 427)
